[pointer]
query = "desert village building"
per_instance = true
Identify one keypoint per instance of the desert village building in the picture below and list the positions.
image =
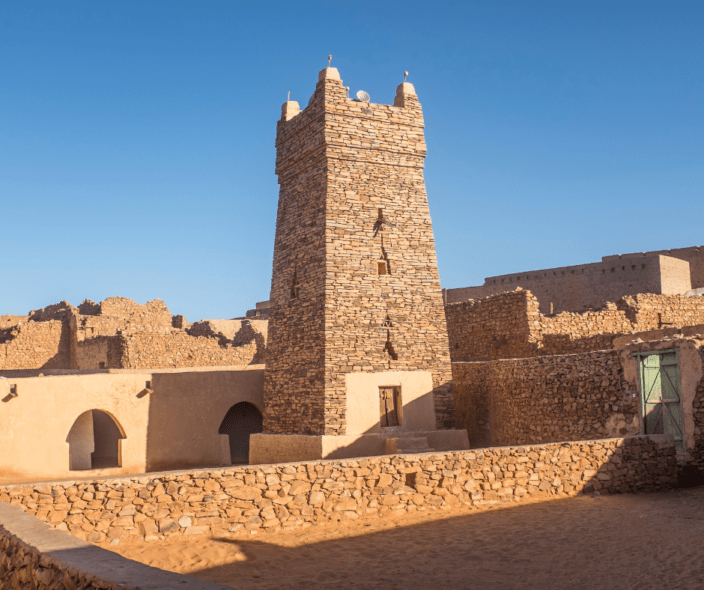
(357, 353)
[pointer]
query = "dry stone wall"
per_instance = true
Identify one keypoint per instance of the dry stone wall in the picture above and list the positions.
(355, 286)
(697, 453)
(34, 556)
(35, 345)
(497, 327)
(293, 495)
(510, 325)
(545, 399)
(171, 351)
(119, 333)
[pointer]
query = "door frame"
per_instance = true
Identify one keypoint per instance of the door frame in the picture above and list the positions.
(678, 422)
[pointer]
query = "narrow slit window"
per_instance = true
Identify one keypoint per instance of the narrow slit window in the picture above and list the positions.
(295, 287)
(389, 348)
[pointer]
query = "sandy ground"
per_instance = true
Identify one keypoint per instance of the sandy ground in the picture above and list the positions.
(605, 542)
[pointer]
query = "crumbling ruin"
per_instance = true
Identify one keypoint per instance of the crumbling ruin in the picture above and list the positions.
(121, 334)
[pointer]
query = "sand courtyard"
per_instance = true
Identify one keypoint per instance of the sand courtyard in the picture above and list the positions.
(587, 542)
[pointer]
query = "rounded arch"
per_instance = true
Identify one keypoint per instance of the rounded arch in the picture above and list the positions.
(94, 441)
(241, 420)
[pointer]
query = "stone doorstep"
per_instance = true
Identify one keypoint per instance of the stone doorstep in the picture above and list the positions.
(406, 444)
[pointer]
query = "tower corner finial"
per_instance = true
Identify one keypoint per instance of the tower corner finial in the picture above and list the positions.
(404, 91)
(329, 60)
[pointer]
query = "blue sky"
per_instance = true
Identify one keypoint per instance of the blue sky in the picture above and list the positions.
(137, 138)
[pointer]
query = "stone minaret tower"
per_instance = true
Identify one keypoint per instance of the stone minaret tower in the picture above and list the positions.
(357, 336)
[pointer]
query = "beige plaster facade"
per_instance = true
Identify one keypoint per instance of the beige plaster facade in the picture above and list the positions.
(417, 411)
(167, 419)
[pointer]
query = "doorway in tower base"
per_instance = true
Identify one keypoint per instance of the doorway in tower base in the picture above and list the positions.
(240, 421)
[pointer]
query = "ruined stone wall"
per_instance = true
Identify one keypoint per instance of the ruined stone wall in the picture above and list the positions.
(497, 327)
(98, 352)
(92, 336)
(545, 399)
(352, 197)
(570, 332)
(509, 325)
(153, 313)
(651, 312)
(171, 351)
(293, 495)
(589, 286)
(35, 345)
(9, 321)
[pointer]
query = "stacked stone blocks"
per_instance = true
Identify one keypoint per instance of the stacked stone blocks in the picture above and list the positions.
(352, 195)
(295, 495)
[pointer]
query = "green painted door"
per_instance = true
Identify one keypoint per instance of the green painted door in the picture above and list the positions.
(661, 394)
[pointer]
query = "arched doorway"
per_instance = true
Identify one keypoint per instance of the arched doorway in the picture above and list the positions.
(94, 442)
(240, 421)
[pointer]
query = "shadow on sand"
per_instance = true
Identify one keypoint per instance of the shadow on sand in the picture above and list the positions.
(578, 543)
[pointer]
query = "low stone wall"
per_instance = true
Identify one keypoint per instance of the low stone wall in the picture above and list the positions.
(34, 556)
(271, 497)
(545, 399)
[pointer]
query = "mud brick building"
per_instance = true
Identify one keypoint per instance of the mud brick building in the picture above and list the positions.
(589, 286)
(356, 304)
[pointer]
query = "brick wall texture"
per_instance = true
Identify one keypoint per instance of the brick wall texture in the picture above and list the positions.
(510, 325)
(352, 197)
(294, 495)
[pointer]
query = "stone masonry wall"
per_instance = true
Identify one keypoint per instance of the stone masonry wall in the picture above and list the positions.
(497, 327)
(510, 325)
(698, 413)
(34, 556)
(545, 399)
(171, 351)
(293, 495)
(35, 345)
(352, 197)
(119, 333)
